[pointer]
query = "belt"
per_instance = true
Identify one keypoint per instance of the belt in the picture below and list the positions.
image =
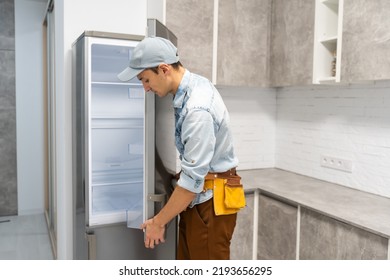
(222, 175)
(231, 176)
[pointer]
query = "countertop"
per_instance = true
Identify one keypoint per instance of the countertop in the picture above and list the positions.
(361, 209)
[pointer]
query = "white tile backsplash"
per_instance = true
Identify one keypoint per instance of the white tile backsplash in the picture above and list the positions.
(291, 128)
(348, 122)
(252, 114)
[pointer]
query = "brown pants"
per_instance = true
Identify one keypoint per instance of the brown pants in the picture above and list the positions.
(203, 235)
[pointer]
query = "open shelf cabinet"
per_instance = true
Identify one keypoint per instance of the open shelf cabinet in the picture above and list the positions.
(327, 41)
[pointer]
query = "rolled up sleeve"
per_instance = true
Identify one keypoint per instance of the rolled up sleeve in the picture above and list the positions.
(198, 138)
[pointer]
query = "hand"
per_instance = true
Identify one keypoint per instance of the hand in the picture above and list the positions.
(154, 233)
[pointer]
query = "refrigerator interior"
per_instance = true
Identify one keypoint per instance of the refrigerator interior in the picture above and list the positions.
(116, 182)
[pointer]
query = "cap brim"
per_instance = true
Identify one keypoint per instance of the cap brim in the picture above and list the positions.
(128, 74)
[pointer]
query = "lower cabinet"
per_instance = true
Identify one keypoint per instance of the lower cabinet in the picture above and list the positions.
(277, 231)
(270, 228)
(241, 247)
(324, 238)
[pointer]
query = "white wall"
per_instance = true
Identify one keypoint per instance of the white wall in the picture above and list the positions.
(29, 105)
(156, 9)
(72, 18)
(253, 119)
(350, 122)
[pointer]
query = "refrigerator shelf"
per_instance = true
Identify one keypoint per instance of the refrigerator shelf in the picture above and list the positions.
(125, 117)
(132, 161)
(133, 123)
(116, 183)
(120, 173)
(114, 177)
(128, 90)
(115, 190)
(116, 127)
(99, 83)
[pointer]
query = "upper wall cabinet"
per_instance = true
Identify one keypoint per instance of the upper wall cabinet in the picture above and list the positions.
(236, 35)
(291, 49)
(327, 41)
(243, 42)
(366, 40)
(352, 41)
(192, 23)
(270, 42)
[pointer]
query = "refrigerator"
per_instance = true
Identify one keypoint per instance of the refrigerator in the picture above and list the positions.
(121, 174)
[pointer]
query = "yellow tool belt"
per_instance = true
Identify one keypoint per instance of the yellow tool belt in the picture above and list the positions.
(228, 192)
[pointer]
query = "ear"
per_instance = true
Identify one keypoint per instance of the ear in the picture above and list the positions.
(165, 68)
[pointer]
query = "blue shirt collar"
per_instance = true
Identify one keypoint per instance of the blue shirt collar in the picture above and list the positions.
(178, 100)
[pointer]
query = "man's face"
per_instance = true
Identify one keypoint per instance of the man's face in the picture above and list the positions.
(153, 82)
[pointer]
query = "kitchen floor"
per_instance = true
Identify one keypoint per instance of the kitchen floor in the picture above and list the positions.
(24, 238)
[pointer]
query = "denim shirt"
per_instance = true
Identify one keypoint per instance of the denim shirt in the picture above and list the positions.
(202, 134)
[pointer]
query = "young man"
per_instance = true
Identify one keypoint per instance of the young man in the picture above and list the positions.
(204, 141)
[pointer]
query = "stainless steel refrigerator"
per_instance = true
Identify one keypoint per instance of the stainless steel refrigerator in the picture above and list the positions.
(121, 174)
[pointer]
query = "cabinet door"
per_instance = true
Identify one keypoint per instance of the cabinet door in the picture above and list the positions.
(324, 238)
(243, 42)
(277, 230)
(292, 42)
(241, 247)
(192, 23)
(366, 40)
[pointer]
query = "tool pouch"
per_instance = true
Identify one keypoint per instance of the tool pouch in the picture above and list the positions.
(228, 198)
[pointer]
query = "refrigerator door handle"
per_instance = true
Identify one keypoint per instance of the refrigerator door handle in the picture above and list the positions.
(157, 197)
(161, 199)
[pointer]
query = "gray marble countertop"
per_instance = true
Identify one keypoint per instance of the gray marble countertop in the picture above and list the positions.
(361, 209)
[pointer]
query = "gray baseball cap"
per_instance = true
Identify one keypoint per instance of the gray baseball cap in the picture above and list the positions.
(149, 53)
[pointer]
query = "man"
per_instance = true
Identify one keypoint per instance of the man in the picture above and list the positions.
(204, 141)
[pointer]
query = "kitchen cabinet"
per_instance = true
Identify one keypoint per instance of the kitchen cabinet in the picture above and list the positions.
(270, 42)
(266, 229)
(366, 40)
(327, 41)
(241, 247)
(228, 45)
(352, 41)
(291, 46)
(192, 23)
(315, 236)
(277, 229)
(299, 217)
(324, 238)
(243, 43)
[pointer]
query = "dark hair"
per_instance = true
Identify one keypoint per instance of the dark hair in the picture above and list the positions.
(177, 65)
(174, 66)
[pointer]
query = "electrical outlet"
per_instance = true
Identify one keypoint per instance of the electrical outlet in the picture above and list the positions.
(336, 163)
